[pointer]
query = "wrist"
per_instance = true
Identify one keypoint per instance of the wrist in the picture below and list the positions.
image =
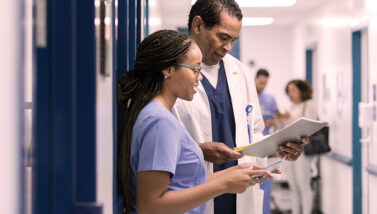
(203, 146)
(276, 155)
(223, 186)
(205, 149)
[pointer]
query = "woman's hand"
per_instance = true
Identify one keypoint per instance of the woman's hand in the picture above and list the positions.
(259, 167)
(238, 178)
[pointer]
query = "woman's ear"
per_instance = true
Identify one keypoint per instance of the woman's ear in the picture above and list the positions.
(167, 72)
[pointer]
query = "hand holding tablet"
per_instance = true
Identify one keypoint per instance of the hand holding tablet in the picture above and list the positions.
(272, 167)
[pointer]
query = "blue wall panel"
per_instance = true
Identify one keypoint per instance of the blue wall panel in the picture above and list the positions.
(85, 103)
(62, 107)
(132, 33)
(236, 49)
(129, 37)
(42, 118)
(64, 114)
(356, 131)
(122, 66)
(139, 23)
(309, 66)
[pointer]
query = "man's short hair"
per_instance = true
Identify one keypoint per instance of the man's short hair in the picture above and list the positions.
(209, 11)
(262, 72)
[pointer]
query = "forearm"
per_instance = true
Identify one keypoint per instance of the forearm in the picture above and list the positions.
(182, 200)
(214, 176)
(209, 151)
(275, 155)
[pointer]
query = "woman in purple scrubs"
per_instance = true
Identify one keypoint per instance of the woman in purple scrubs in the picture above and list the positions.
(160, 167)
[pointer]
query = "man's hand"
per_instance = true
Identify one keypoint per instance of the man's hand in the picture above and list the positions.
(218, 153)
(293, 150)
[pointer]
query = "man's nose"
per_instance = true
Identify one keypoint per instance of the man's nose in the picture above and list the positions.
(228, 46)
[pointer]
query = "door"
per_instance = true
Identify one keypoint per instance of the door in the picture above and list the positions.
(64, 119)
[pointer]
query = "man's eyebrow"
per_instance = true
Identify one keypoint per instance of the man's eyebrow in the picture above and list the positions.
(225, 34)
(229, 36)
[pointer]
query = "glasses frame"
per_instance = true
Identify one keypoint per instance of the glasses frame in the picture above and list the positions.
(196, 70)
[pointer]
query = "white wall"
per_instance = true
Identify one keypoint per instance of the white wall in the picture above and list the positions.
(104, 126)
(371, 13)
(105, 143)
(372, 36)
(11, 62)
(155, 16)
(330, 28)
(271, 48)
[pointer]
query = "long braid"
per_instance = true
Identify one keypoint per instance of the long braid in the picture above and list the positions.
(138, 87)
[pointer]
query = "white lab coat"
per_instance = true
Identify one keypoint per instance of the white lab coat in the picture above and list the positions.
(195, 116)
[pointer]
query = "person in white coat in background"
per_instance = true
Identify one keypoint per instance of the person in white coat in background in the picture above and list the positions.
(299, 172)
(216, 118)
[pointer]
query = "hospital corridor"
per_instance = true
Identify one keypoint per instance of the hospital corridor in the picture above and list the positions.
(188, 106)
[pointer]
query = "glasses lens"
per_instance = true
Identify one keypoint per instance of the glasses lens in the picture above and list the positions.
(197, 71)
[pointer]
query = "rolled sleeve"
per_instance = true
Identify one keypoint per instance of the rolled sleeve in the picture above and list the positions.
(160, 147)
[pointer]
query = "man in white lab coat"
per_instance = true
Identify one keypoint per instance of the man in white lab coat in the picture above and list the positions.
(217, 112)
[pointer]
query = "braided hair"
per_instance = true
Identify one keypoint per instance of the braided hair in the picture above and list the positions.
(136, 88)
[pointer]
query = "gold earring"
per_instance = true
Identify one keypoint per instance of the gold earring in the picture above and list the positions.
(166, 77)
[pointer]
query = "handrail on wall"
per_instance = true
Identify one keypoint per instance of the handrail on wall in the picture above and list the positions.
(372, 169)
(340, 158)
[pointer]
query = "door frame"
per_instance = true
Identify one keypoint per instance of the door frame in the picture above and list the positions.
(309, 65)
(356, 131)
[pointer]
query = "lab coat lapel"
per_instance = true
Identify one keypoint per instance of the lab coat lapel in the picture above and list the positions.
(250, 201)
(236, 91)
(204, 114)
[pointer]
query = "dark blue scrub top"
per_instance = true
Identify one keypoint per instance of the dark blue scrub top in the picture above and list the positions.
(223, 130)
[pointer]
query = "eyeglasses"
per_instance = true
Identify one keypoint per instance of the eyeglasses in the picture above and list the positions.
(196, 70)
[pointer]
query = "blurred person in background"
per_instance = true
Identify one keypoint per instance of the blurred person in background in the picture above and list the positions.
(269, 111)
(299, 172)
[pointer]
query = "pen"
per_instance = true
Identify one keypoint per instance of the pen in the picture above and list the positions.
(249, 109)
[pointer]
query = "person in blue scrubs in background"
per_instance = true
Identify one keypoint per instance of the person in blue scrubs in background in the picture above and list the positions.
(160, 168)
(267, 102)
(269, 111)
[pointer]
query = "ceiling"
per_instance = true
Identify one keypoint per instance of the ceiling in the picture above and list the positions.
(175, 13)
